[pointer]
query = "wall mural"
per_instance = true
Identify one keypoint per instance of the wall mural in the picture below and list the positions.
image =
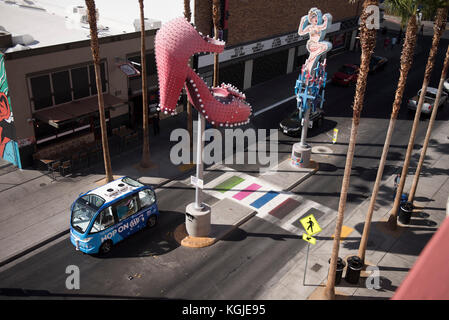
(9, 150)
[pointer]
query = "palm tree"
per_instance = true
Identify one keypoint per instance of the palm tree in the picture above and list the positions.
(90, 4)
(407, 10)
(145, 162)
(367, 42)
(188, 16)
(439, 26)
(429, 128)
(216, 20)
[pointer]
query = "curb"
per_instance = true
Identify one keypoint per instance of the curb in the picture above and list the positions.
(33, 247)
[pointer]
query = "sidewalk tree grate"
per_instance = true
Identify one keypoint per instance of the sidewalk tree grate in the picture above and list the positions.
(316, 267)
(229, 184)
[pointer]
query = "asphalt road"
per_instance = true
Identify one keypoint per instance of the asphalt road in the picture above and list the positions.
(151, 264)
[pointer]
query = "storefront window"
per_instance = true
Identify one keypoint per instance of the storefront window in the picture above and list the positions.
(61, 87)
(41, 89)
(56, 87)
(80, 82)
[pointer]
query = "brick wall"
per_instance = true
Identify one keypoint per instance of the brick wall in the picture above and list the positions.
(251, 20)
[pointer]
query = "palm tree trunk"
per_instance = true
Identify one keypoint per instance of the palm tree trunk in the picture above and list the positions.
(429, 129)
(440, 24)
(216, 20)
(188, 16)
(90, 4)
(368, 42)
(145, 162)
(406, 63)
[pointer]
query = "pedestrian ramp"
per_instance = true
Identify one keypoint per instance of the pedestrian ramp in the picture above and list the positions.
(271, 203)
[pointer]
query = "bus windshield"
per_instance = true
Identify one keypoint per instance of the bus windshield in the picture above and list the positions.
(83, 211)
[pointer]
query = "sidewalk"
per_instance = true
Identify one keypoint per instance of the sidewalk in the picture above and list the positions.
(394, 253)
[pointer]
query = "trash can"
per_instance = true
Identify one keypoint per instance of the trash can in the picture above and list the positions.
(405, 212)
(355, 266)
(340, 267)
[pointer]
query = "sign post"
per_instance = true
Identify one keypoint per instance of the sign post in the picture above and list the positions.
(312, 227)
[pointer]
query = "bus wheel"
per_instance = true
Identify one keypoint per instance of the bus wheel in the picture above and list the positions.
(152, 220)
(105, 248)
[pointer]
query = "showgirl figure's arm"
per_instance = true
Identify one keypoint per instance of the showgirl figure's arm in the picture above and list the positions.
(302, 32)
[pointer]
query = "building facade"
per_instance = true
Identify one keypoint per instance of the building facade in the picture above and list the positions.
(262, 40)
(53, 96)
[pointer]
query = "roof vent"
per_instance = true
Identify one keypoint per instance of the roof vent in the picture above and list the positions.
(122, 187)
(110, 192)
(5, 39)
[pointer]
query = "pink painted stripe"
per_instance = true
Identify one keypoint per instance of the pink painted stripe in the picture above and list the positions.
(246, 192)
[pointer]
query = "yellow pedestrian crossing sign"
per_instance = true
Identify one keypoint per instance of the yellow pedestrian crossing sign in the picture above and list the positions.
(310, 225)
(308, 238)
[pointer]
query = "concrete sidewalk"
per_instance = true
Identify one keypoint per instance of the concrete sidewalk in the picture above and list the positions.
(393, 252)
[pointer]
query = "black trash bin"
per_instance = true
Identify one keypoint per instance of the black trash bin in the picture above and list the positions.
(355, 266)
(340, 267)
(405, 212)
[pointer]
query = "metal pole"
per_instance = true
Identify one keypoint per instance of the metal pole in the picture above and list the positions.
(305, 126)
(199, 160)
(307, 259)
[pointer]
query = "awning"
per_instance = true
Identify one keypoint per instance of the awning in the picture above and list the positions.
(73, 110)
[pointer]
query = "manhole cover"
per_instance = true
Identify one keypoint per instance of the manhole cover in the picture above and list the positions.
(321, 149)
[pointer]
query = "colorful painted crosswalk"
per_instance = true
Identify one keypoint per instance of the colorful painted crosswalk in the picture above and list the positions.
(264, 199)
(272, 204)
(247, 191)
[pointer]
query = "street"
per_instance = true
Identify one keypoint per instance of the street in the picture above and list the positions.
(152, 264)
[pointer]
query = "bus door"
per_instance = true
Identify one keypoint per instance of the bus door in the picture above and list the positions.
(147, 201)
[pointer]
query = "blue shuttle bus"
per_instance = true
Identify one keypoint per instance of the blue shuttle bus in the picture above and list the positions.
(106, 215)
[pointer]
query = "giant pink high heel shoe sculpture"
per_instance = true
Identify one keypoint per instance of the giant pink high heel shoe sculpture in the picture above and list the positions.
(176, 41)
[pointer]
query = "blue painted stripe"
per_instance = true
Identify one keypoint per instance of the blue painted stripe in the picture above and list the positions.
(264, 199)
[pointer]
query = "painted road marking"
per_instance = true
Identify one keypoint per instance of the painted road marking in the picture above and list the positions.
(270, 195)
(283, 209)
(345, 232)
(247, 191)
(229, 184)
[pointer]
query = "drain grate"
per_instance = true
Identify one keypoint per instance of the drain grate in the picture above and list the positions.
(316, 267)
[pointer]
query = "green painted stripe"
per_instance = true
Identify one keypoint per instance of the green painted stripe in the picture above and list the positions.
(229, 184)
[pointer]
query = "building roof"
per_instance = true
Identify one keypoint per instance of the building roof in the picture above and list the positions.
(41, 23)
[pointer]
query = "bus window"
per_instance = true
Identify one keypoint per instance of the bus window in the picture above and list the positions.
(126, 207)
(82, 213)
(103, 221)
(146, 198)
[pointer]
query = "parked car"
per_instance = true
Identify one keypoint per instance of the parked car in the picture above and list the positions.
(292, 125)
(346, 75)
(429, 100)
(377, 63)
